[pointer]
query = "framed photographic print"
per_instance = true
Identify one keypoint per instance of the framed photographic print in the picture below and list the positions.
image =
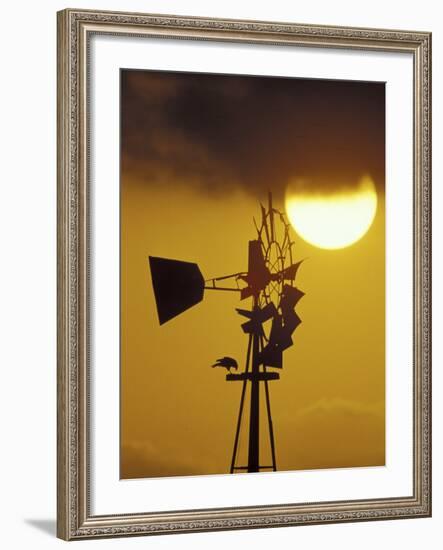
(243, 274)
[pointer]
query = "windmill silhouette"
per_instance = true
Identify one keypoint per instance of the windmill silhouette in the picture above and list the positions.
(270, 323)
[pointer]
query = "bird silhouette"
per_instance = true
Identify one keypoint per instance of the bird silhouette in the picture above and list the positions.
(226, 362)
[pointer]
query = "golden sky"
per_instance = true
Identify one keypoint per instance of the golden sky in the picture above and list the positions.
(178, 415)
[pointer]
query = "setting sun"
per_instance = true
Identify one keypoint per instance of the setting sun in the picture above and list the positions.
(332, 220)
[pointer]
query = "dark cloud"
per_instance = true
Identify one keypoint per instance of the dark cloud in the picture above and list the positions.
(216, 132)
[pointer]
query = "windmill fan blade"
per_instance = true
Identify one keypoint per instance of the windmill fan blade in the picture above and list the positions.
(279, 340)
(267, 312)
(271, 356)
(291, 295)
(288, 273)
(246, 293)
(280, 335)
(177, 286)
(291, 321)
(257, 318)
(258, 274)
(245, 312)
(253, 327)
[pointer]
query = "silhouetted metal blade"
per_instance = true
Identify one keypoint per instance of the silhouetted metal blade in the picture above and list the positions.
(290, 272)
(271, 356)
(267, 312)
(245, 312)
(291, 321)
(290, 297)
(279, 340)
(258, 274)
(257, 318)
(253, 327)
(246, 293)
(280, 335)
(177, 286)
(277, 325)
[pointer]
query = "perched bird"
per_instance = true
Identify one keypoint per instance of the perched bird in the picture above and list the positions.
(226, 362)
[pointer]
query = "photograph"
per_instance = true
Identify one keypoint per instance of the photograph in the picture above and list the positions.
(252, 274)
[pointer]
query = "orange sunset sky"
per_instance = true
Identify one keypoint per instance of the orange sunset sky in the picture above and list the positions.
(198, 154)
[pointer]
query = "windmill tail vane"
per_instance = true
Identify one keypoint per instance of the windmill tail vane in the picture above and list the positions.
(270, 284)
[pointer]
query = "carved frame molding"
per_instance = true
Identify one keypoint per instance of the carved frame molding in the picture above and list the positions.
(75, 28)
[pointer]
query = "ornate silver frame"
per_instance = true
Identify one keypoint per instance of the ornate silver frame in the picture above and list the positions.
(74, 519)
